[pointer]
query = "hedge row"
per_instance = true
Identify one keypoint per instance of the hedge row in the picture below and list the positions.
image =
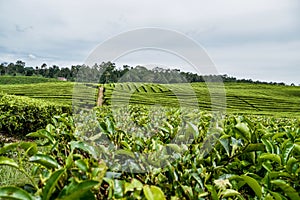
(10, 80)
(22, 115)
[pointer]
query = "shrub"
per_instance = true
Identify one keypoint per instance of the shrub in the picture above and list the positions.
(233, 157)
(64, 167)
(24, 80)
(20, 115)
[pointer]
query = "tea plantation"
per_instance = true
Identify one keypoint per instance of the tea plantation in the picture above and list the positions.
(240, 97)
(154, 147)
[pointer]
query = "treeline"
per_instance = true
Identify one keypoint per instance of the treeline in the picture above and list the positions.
(20, 69)
(107, 72)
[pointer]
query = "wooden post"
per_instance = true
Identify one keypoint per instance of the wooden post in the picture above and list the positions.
(100, 98)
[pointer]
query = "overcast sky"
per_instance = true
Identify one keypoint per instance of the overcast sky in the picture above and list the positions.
(257, 39)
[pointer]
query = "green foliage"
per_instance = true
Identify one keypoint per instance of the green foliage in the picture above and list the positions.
(10, 192)
(56, 92)
(240, 98)
(236, 157)
(12, 80)
(63, 170)
(251, 154)
(21, 115)
(153, 193)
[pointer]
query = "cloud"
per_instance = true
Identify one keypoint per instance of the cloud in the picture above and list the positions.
(268, 61)
(236, 33)
(31, 56)
(23, 29)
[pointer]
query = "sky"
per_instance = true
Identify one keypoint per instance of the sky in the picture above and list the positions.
(246, 39)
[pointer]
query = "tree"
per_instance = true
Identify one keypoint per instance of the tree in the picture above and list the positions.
(29, 71)
(36, 70)
(11, 69)
(2, 69)
(43, 69)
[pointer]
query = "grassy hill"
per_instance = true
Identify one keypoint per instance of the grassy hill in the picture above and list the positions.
(240, 97)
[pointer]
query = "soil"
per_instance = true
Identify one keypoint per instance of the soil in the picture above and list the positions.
(9, 138)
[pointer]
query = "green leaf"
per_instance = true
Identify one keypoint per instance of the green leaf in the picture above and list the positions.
(225, 143)
(112, 175)
(195, 130)
(268, 145)
(44, 160)
(50, 128)
(110, 126)
(134, 184)
(204, 194)
(288, 190)
(297, 147)
(229, 193)
(267, 166)
(118, 188)
(253, 184)
(99, 172)
(175, 147)
(78, 190)
(8, 161)
(288, 148)
(188, 191)
(235, 145)
(42, 134)
(51, 184)
(69, 161)
(255, 147)
(11, 192)
(125, 152)
(268, 197)
(29, 147)
(8, 147)
(198, 179)
(83, 146)
(269, 156)
(153, 193)
(244, 130)
(276, 174)
(82, 165)
(213, 192)
(278, 135)
(164, 129)
(103, 127)
(276, 195)
(124, 144)
(290, 164)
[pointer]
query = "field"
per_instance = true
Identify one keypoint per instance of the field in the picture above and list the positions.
(154, 144)
(240, 98)
(7, 80)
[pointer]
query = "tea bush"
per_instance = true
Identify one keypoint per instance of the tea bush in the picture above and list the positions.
(9, 80)
(21, 115)
(232, 157)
